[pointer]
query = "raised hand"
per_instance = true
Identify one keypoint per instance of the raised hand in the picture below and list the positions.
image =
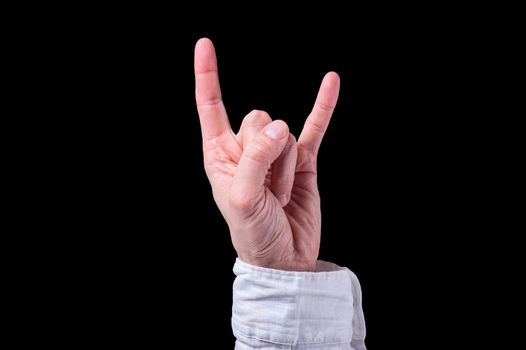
(263, 181)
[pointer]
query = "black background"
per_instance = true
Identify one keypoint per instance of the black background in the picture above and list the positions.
(149, 237)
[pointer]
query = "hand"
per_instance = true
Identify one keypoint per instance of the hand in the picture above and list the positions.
(263, 181)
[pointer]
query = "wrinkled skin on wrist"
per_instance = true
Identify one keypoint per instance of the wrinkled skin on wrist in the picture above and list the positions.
(264, 181)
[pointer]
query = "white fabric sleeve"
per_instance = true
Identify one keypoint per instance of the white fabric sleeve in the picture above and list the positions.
(274, 309)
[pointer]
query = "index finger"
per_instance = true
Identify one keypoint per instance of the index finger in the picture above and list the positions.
(212, 113)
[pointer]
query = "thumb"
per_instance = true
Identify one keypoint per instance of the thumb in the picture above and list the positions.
(255, 162)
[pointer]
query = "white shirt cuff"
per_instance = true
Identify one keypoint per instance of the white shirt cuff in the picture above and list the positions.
(320, 309)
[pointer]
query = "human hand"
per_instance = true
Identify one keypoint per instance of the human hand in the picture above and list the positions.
(263, 181)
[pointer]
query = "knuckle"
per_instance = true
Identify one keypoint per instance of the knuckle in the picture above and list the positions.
(316, 127)
(257, 116)
(291, 144)
(325, 106)
(241, 200)
(284, 179)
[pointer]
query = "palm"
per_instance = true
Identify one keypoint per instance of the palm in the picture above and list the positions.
(264, 231)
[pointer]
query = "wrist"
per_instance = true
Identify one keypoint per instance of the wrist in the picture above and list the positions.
(284, 265)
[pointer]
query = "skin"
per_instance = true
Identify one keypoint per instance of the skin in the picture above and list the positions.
(263, 180)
